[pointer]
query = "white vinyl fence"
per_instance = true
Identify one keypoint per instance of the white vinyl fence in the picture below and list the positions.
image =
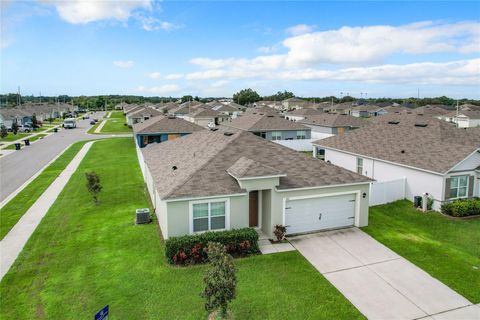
(387, 191)
(298, 145)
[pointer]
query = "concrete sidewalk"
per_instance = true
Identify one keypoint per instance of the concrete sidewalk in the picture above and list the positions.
(380, 283)
(100, 126)
(15, 240)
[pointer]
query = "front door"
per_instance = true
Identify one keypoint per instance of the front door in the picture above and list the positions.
(253, 209)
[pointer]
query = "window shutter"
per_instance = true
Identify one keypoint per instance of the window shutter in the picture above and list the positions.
(447, 188)
(470, 186)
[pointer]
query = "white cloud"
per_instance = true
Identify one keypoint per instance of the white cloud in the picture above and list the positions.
(164, 89)
(123, 64)
(267, 49)
(154, 75)
(299, 29)
(85, 11)
(174, 76)
(152, 24)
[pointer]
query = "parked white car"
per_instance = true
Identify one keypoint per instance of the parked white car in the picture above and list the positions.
(69, 123)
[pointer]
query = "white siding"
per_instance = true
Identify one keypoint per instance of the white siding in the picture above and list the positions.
(470, 163)
(298, 145)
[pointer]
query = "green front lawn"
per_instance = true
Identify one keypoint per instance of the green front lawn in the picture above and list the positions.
(12, 137)
(84, 256)
(115, 125)
(117, 114)
(15, 208)
(447, 249)
(32, 139)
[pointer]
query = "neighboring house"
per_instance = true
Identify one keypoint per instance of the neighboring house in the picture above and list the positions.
(333, 123)
(270, 126)
(141, 115)
(231, 111)
(432, 156)
(367, 111)
(206, 117)
(463, 118)
(131, 108)
(186, 108)
(300, 114)
(430, 110)
(341, 108)
(162, 128)
(395, 109)
(8, 116)
(215, 180)
(293, 103)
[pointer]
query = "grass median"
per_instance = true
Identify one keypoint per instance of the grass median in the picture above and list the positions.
(16, 207)
(83, 256)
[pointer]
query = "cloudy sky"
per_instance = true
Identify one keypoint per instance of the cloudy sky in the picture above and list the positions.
(172, 48)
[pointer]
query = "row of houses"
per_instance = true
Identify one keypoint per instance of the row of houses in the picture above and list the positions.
(240, 172)
(23, 114)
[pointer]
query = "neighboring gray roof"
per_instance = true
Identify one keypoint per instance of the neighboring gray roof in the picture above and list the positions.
(133, 108)
(429, 111)
(248, 168)
(162, 124)
(367, 108)
(472, 114)
(196, 165)
(263, 122)
(334, 120)
(203, 113)
(303, 112)
(142, 112)
(437, 147)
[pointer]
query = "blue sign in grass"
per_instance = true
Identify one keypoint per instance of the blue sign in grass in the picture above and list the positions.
(102, 314)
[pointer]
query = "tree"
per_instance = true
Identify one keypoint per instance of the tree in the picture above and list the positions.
(220, 280)
(34, 121)
(280, 96)
(3, 131)
(93, 185)
(246, 96)
(14, 127)
(187, 98)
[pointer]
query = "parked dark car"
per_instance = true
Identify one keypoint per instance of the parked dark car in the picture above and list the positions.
(92, 122)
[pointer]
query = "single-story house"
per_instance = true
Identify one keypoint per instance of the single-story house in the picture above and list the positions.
(433, 156)
(162, 128)
(333, 123)
(206, 117)
(467, 118)
(293, 103)
(141, 115)
(367, 111)
(340, 108)
(300, 114)
(270, 126)
(219, 180)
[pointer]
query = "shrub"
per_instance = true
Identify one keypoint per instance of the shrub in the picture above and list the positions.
(220, 280)
(237, 242)
(279, 232)
(93, 185)
(462, 208)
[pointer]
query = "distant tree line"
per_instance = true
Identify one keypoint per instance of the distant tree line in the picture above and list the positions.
(243, 97)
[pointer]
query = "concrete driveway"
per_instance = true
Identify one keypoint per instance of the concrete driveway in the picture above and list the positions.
(380, 283)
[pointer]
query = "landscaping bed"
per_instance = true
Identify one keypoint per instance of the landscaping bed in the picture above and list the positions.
(462, 208)
(448, 249)
(83, 256)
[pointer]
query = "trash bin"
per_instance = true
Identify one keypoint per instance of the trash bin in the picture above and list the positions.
(417, 201)
(18, 146)
(27, 142)
(55, 129)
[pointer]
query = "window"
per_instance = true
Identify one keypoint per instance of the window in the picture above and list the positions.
(263, 135)
(301, 135)
(359, 165)
(458, 187)
(276, 135)
(208, 216)
(320, 153)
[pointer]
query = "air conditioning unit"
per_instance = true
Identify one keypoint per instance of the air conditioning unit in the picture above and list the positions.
(142, 216)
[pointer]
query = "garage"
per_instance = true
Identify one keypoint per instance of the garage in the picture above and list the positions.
(320, 213)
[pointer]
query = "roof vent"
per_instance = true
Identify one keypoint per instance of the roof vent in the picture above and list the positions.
(403, 151)
(174, 168)
(422, 125)
(228, 134)
(213, 129)
(171, 116)
(270, 116)
(393, 122)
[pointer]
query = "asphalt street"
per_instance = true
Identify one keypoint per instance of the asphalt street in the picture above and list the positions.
(19, 166)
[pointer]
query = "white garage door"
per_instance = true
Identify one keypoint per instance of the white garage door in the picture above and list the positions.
(313, 214)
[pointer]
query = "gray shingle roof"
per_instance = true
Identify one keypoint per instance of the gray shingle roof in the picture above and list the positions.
(196, 165)
(149, 112)
(437, 147)
(303, 112)
(248, 168)
(255, 122)
(162, 124)
(203, 113)
(334, 120)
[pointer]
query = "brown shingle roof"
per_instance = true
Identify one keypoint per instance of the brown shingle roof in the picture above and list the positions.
(203, 113)
(303, 112)
(255, 122)
(437, 147)
(142, 112)
(334, 120)
(162, 124)
(196, 165)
